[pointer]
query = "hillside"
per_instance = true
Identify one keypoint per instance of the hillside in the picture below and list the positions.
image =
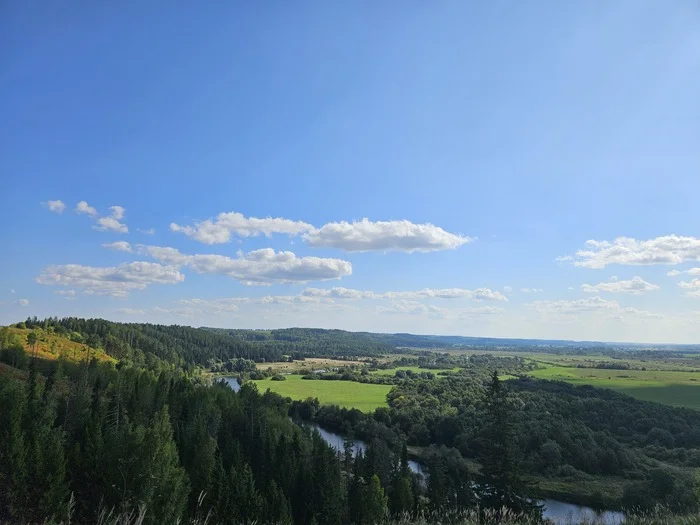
(52, 346)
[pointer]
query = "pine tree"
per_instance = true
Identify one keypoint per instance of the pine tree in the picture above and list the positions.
(502, 485)
(32, 341)
(13, 470)
(164, 484)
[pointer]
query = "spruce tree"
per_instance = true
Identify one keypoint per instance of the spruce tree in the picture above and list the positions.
(375, 502)
(502, 485)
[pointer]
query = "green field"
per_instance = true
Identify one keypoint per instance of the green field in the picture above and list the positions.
(348, 394)
(662, 386)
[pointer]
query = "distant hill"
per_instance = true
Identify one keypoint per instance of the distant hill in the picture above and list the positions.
(151, 345)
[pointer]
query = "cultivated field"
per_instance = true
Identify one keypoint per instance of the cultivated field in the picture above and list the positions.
(365, 397)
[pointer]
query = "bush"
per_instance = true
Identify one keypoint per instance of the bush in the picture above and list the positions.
(278, 377)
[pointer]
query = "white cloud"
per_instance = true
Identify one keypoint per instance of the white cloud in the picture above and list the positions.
(531, 290)
(692, 287)
(111, 224)
(640, 313)
(23, 302)
(669, 249)
(84, 207)
(56, 206)
(117, 212)
(119, 246)
(636, 285)
(338, 292)
(385, 236)
(481, 310)
(108, 223)
(149, 231)
(219, 230)
(217, 306)
(68, 294)
(480, 294)
(691, 271)
(508, 289)
(131, 311)
(564, 309)
(591, 304)
(116, 281)
(265, 266)
(410, 308)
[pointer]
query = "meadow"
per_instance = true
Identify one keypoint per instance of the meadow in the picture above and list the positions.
(363, 396)
(675, 388)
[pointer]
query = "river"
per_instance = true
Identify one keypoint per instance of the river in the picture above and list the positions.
(232, 382)
(558, 512)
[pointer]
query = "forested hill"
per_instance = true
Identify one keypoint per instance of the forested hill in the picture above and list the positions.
(313, 341)
(143, 344)
(151, 345)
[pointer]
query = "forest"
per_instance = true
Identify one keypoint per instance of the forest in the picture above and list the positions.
(78, 440)
(146, 428)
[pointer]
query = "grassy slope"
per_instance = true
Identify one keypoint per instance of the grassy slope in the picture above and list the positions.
(51, 347)
(348, 394)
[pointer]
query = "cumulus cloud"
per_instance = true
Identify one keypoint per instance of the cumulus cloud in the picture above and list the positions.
(480, 294)
(265, 266)
(108, 223)
(23, 302)
(384, 236)
(636, 285)
(220, 229)
(691, 271)
(531, 290)
(149, 231)
(68, 294)
(692, 287)
(111, 224)
(85, 208)
(56, 206)
(119, 246)
(669, 249)
(117, 212)
(116, 281)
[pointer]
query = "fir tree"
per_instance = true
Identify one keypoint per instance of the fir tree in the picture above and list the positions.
(502, 485)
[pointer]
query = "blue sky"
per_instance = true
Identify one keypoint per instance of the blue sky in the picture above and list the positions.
(471, 168)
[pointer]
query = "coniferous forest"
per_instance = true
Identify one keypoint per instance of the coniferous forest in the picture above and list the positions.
(146, 433)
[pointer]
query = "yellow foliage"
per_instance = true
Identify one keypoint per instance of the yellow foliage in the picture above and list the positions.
(52, 346)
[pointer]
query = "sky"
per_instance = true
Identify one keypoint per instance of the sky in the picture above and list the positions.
(471, 168)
